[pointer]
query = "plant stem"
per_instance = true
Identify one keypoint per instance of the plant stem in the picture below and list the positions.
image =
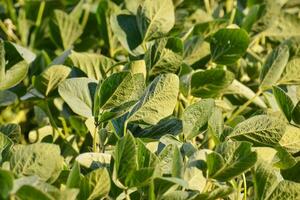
(94, 138)
(244, 106)
(40, 14)
(233, 12)
(245, 186)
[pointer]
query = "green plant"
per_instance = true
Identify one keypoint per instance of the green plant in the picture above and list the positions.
(149, 99)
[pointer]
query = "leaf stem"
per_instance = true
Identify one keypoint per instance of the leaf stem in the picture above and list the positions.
(244, 106)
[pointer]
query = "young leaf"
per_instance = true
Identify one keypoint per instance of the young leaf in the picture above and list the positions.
(78, 93)
(273, 67)
(210, 83)
(155, 18)
(228, 45)
(157, 102)
(284, 102)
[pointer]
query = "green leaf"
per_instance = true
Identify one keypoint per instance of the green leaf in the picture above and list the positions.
(167, 126)
(268, 185)
(216, 124)
(14, 75)
(218, 193)
(155, 18)
(49, 79)
(164, 56)
(95, 185)
(7, 98)
(157, 102)
(233, 159)
(265, 180)
(196, 116)
(5, 145)
(291, 74)
(296, 113)
(6, 183)
(13, 131)
(284, 102)
(93, 65)
(291, 139)
(228, 45)
(283, 159)
(291, 174)
(74, 177)
(125, 161)
(28, 192)
(78, 93)
(163, 184)
(195, 49)
(69, 29)
(124, 25)
(120, 89)
(210, 83)
(171, 162)
(261, 130)
(274, 67)
(41, 159)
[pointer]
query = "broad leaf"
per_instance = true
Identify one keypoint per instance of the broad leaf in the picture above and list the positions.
(260, 130)
(164, 56)
(228, 45)
(230, 160)
(155, 18)
(7, 98)
(296, 113)
(210, 83)
(95, 185)
(39, 159)
(284, 102)
(125, 161)
(274, 67)
(78, 93)
(120, 89)
(124, 26)
(13, 131)
(6, 183)
(49, 79)
(196, 116)
(157, 102)
(14, 75)
(69, 29)
(93, 65)
(291, 74)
